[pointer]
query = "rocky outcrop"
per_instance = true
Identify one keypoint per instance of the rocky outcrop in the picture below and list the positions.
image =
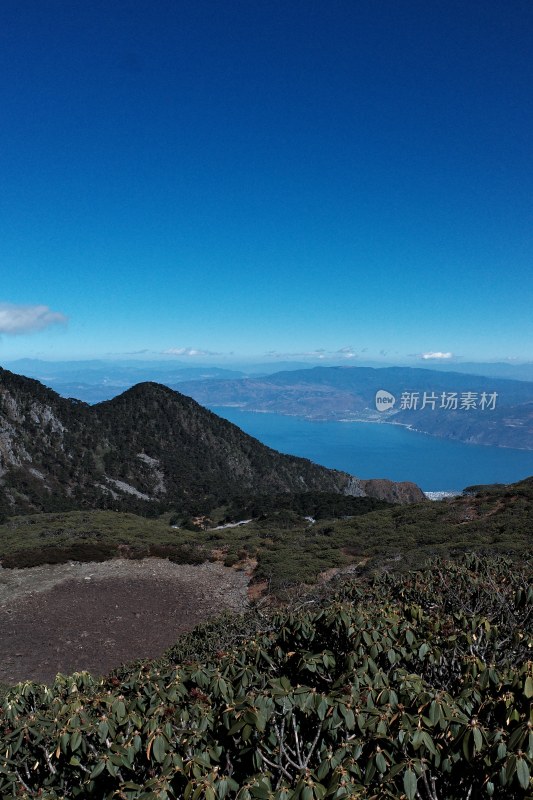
(393, 492)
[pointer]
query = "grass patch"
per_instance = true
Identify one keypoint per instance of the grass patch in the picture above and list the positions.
(56, 538)
(289, 549)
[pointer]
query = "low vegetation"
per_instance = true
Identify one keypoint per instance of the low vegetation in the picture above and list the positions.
(27, 541)
(393, 682)
(414, 686)
(286, 546)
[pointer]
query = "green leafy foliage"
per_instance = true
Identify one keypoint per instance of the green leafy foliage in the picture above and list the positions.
(413, 686)
(319, 505)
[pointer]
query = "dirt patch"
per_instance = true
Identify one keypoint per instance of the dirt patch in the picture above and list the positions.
(257, 590)
(96, 616)
(328, 574)
(219, 553)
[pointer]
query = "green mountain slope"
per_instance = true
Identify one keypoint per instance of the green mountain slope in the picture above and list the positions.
(282, 546)
(147, 450)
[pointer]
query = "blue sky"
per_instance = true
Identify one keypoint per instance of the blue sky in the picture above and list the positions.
(350, 178)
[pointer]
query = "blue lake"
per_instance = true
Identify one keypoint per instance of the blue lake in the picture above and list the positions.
(371, 450)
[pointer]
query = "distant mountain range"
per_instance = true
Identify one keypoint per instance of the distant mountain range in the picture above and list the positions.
(147, 450)
(495, 369)
(453, 405)
(102, 379)
(328, 392)
(95, 380)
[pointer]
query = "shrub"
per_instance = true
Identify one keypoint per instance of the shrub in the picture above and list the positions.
(403, 687)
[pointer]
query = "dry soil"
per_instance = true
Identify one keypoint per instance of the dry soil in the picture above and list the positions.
(94, 617)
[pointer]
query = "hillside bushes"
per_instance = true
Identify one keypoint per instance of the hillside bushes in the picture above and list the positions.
(414, 686)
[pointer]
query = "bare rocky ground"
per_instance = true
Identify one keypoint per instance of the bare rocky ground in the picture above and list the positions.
(97, 616)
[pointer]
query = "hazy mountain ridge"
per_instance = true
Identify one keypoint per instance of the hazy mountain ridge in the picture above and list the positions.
(147, 449)
(96, 380)
(348, 394)
(99, 379)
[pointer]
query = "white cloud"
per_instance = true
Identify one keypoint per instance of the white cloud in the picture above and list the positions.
(305, 354)
(320, 354)
(15, 319)
(188, 351)
(347, 352)
(437, 355)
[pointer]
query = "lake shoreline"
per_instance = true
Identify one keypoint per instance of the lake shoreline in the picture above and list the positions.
(384, 449)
